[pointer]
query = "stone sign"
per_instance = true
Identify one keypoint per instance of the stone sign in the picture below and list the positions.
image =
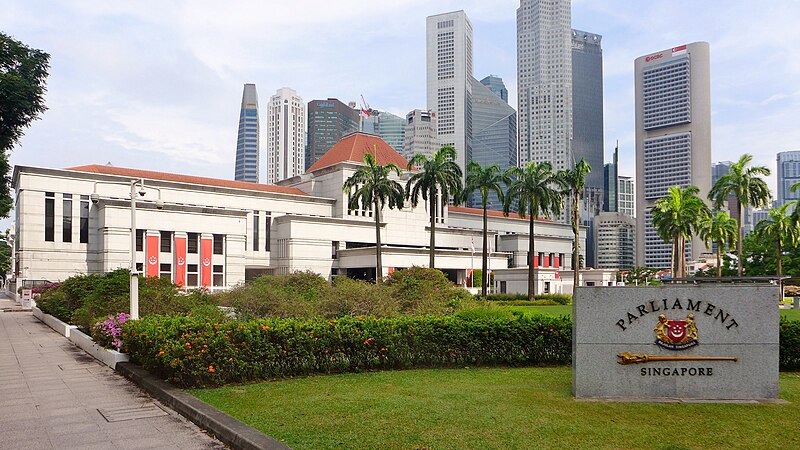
(683, 341)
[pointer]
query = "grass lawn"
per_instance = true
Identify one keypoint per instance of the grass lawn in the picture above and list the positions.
(493, 408)
(791, 314)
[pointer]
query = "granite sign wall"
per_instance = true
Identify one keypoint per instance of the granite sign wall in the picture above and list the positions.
(707, 341)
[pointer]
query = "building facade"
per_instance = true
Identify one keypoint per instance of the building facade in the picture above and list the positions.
(448, 80)
(587, 104)
(286, 135)
(420, 134)
(392, 129)
(248, 139)
(673, 138)
(219, 233)
(788, 175)
(610, 180)
(496, 85)
(328, 121)
(626, 196)
(615, 239)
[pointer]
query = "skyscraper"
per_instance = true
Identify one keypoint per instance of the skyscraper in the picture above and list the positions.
(328, 121)
(286, 135)
(587, 104)
(626, 196)
(615, 237)
(247, 143)
(673, 138)
(494, 134)
(788, 174)
(610, 181)
(420, 134)
(449, 73)
(544, 75)
(392, 129)
(496, 85)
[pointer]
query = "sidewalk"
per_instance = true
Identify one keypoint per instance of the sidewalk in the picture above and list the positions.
(55, 396)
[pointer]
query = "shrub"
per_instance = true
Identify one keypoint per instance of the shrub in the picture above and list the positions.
(525, 303)
(789, 344)
(108, 332)
(420, 290)
(193, 352)
(557, 299)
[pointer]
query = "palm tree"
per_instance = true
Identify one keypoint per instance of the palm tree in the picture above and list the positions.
(780, 228)
(745, 184)
(721, 229)
(439, 176)
(371, 186)
(484, 180)
(676, 217)
(536, 190)
(575, 181)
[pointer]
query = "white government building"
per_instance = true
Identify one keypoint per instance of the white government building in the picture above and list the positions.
(219, 233)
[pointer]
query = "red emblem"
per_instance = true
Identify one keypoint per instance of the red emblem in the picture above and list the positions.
(676, 331)
(676, 334)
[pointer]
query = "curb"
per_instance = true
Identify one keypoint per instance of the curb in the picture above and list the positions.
(224, 427)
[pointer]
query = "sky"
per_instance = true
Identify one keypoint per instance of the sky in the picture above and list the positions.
(157, 85)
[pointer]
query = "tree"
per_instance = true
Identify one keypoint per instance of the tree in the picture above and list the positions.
(484, 180)
(743, 182)
(23, 71)
(780, 229)
(722, 230)
(676, 218)
(438, 177)
(536, 189)
(575, 181)
(371, 186)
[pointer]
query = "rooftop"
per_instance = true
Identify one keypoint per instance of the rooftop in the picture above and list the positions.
(354, 146)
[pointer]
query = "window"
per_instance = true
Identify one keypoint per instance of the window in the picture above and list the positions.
(219, 243)
(66, 218)
(84, 224)
(166, 241)
(218, 279)
(165, 271)
(139, 240)
(256, 228)
(334, 249)
(192, 243)
(267, 229)
(49, 216)
(191, 275)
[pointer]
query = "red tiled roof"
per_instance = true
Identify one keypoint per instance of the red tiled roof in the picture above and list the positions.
(491, 212)
(189, 179)
(354, 146)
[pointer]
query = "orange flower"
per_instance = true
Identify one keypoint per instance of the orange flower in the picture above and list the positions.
(160, 353)
(230, 359)
(211, 368)
(188, 344)
(383, 349)
(205, 346)
(265, 327)
(359, 318)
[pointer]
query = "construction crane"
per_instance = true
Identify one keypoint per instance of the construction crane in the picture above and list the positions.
(369, 112)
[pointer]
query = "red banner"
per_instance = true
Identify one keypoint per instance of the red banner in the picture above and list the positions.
(536, 261)
(151, 252)
(557, 262)
(206, 248)
(180, 260)
(546, 260)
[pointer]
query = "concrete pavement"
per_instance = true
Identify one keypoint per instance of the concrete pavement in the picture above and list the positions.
(55, 396)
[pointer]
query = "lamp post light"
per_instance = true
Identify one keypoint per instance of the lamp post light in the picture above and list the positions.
(134, 273)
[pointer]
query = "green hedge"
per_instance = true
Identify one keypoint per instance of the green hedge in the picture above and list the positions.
(556, 299)
(790, 344)
(196, 352)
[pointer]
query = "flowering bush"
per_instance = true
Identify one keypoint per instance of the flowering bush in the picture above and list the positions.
(108, 332)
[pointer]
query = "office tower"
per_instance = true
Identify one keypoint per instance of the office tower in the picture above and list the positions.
(719, 169)
(544, 76)
(626, 197)
(449, 73)
(673, 139)
(247, 143)
(328, 121)
(788, 174)
(286, 135)
(587, 104)
(494, 135)
(496, 85)
(392, 129)
(420, 134)
(610, 182)
(615, 237)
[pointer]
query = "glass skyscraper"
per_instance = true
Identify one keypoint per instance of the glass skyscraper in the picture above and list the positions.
(392, 129)
(788, 174)
(328, 121)
(247, 143)
(496, 85)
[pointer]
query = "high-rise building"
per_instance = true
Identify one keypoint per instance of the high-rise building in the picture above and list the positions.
(673, 139)
(392, 129)
(328, 121)
(544, 76)
(788, 174)
(719, 169)
(494, 134)
(626, 197)
(587, 104)
(449, 74)
(496, 85)
(247, 143)
(420, 134)
(615, 238)
(610, 181)
(286, 135)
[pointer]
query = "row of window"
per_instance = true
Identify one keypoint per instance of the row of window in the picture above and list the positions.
(66, 218)
(192, 242)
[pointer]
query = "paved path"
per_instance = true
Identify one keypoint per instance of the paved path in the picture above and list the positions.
(52, 394)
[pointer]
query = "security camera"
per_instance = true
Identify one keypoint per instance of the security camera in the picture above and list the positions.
(94, 198)
(141, 192)
(160, 204)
